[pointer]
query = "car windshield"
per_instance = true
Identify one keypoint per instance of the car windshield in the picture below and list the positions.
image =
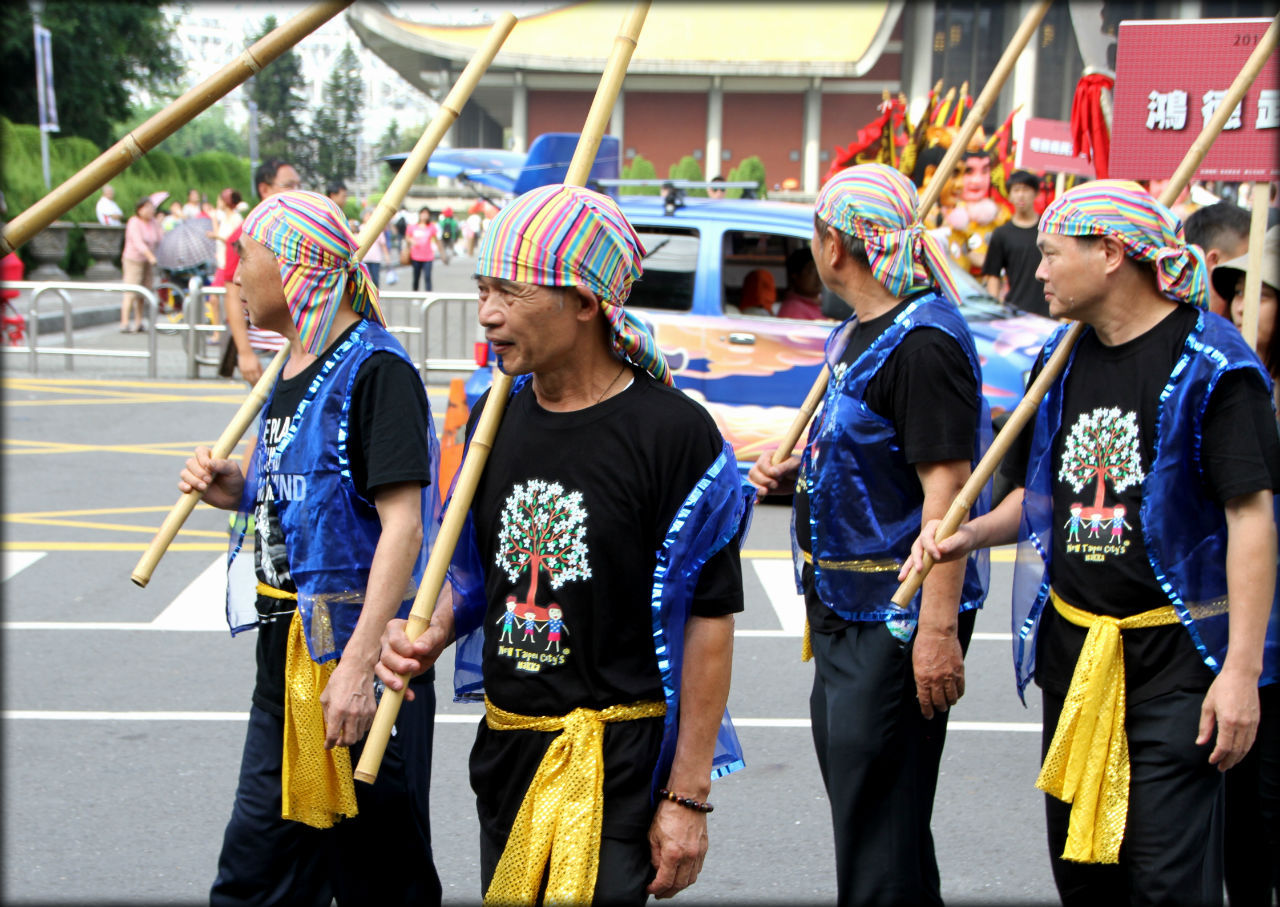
(976, 303)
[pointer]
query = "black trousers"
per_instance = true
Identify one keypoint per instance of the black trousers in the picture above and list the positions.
(625, 868)
(267, 860)
(1253, 814)
(879, 760)
(1172, 850)
(422, 272)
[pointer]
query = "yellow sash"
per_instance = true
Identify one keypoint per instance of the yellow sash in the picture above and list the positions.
(1087, 764)
(316, 785)
(560, 817)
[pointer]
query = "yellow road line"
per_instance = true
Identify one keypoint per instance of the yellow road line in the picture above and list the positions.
(15, 447)
(108, 527)
(103, 382)
(98, 511)
(108, 546)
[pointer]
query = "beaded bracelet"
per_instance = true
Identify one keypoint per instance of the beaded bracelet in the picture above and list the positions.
(687, 802)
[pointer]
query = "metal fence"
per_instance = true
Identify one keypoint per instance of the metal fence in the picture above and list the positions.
(438, 330)
(68, 351)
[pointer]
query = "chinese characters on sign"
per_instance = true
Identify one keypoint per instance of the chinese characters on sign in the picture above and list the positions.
(1171, 79)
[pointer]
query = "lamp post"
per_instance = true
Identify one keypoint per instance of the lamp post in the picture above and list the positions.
(37, 7)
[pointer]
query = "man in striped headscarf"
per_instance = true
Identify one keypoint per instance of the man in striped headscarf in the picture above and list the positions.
(339, 488)
(606, 526)
(902, 424)
(1147, 566)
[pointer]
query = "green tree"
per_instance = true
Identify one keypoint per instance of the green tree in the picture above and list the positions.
(688, 168)
(209, 131)
(751, 168)
(102, 53)
(336, 124)
(279, 92)
(640, 168)
(391, 140)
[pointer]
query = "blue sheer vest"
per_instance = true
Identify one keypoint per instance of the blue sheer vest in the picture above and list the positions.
(1184, 529)
(860, 523)
(715, 512)
(330, 530)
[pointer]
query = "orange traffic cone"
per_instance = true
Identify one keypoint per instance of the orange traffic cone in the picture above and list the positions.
(453, 440)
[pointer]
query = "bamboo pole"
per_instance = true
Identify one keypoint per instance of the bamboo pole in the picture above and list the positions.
(119, 156)
(382, 214)
(930, 197)
(1253, 274)
(481, 444)
(960, 507)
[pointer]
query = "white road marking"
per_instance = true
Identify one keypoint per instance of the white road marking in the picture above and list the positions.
(17, 561)
(778, 579)
(452, 718)
(200, 606)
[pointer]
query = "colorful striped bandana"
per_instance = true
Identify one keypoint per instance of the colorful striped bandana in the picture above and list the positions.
(1149, 231)
(310, 239)
(560, 236)
(877, 204)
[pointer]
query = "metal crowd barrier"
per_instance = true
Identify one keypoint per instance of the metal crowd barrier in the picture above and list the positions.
(438, 330)
(38, 289)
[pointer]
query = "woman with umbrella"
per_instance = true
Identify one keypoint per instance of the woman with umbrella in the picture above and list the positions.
(138, 261)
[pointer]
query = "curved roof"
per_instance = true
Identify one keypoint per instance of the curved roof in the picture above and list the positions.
(842, 40)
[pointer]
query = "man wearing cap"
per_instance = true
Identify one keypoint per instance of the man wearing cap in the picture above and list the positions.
(338, 488)
(901, 426)
(1013, 251)
(1146, 637)
(605, 530)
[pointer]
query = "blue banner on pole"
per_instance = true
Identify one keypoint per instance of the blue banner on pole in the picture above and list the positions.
(45, 99)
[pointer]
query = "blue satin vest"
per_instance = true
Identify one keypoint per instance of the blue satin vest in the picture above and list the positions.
(717, 509)
(1184, 529)
(330, 530)
(860, 528)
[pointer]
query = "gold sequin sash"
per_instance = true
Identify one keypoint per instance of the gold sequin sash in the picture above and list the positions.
(860, 565)
(1087, 764)
(562, 811)
(316, 785)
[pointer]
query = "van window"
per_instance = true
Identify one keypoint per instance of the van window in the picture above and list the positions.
(670, 264)
(746, 250)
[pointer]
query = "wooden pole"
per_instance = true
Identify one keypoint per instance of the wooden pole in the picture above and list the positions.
(930, 197)
(377, 222)
(959, 509)
(119, 156)
(375, 744)
(1253, 275)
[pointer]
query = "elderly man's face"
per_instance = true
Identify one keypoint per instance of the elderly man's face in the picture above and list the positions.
(530, 328)
(258, 277)
(1073, 274)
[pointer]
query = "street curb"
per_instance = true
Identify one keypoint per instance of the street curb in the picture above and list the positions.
(83, 317)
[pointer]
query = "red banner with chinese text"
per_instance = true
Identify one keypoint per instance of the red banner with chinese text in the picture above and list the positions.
(1170, 76)
(1045, 146)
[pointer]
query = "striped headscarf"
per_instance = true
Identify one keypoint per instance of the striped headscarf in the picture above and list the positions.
(560, 236)
(1149, 231)
(877, 204)
(310, 239)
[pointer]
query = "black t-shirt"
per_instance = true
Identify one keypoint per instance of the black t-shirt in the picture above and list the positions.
(1099, 559)
(1013, 249)
(387, 444)
(927, 389)
(582, 501)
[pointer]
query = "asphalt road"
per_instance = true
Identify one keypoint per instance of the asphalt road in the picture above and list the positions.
(124, 708)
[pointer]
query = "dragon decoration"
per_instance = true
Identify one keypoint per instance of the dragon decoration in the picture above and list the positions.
(975, 200)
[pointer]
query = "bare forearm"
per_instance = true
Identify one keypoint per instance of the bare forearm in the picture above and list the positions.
(704, 693)
(1251, 579)
(1000, 525)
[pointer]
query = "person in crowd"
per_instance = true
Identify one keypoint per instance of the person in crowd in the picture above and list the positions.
(1012, 249)
(138, 261)
(424, 242)
(1253, 787)
(378, 252)
(336, 191)
(716, 191)
(193, 207)
(804, 288)
(448, 234)
(759, 293)
(1149, 639)
(226, 220)
(608, 705)
(248, 340)
(902, 423)
(1222, 231)
(107, 211)
(340, 492)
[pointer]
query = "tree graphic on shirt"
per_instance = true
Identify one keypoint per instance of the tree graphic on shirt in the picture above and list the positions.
(543, 528)
(1102, 447)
